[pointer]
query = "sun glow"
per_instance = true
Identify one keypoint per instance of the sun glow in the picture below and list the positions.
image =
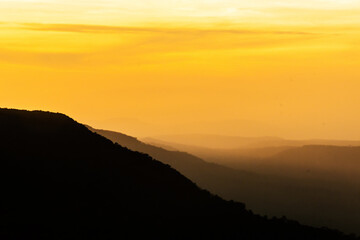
(290, 65)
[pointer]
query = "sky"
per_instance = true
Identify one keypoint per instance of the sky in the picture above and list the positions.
(149, 67)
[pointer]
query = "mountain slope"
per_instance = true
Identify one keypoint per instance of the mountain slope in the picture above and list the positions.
(269, 187)
(61, 181)
(195, 168)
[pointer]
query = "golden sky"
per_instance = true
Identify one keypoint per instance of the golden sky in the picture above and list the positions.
(148, 67)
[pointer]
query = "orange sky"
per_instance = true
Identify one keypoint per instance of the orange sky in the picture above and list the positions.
(249, 68)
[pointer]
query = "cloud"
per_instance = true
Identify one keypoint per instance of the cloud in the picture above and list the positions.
(142, 45)
(82, 28)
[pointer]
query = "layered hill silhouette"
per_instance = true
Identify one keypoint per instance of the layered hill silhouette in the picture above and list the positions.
(236, 142)
(339, 160)
(275, 186)
(328, 177)
(203, 173)
(315, 160)
(206, 152)
(61, 181)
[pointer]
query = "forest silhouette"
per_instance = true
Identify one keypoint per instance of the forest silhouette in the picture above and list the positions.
(59, 180)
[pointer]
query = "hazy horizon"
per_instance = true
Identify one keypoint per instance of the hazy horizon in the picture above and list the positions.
(246, 129)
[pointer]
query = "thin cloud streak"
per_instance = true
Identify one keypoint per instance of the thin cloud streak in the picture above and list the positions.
(81, 28)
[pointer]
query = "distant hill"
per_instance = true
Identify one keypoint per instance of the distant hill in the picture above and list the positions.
(234, 142)
(341, 161)
(314, 201)
(216, 153)
(204, 173)
(61, 181)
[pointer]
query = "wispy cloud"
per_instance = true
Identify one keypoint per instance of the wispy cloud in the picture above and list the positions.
(81, 28)
(140, 45)
(82, 46)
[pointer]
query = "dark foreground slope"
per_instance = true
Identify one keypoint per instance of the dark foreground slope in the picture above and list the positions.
(305, 184)
(59, 180)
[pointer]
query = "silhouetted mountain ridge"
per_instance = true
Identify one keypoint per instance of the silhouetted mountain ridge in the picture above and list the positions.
(61, 181)
(177, 159)
(299, 194)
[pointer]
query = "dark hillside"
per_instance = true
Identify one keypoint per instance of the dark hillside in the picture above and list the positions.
(61, 181)
(301, 183)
